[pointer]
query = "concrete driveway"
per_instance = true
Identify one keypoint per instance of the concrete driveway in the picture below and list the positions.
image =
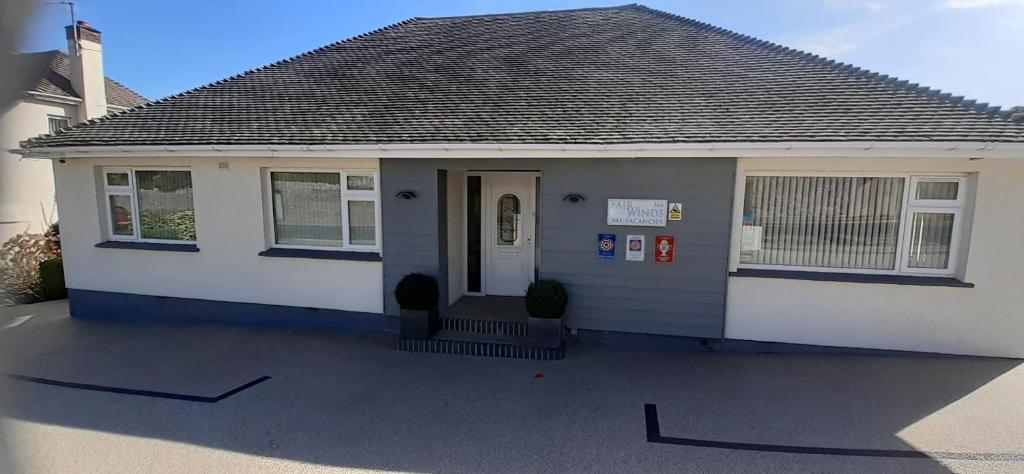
(100, 397)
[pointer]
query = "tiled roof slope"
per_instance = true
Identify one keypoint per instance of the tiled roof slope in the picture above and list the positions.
(625, 74)
(49, 72)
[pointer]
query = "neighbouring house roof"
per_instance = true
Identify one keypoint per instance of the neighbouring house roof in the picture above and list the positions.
(617, 75)
(49, 72)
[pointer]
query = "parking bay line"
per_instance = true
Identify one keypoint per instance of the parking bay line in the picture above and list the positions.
(654, 436)
(141, 393)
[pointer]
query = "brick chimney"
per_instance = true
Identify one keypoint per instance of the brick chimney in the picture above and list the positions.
(87, 70)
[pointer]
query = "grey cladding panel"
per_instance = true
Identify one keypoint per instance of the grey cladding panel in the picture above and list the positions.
(686, 297)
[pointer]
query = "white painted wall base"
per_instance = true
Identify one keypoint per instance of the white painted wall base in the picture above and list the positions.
(987, 320)
(230, 234)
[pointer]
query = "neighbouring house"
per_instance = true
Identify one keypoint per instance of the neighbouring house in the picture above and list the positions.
(683, 182)
(58, 91)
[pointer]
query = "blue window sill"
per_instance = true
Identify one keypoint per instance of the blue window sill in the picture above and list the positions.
(113, 244)
(322, 254)
(852, 278)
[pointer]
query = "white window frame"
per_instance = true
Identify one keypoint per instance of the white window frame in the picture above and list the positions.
(344, 196)
(908, 207)
(933, 206)
(132, 194)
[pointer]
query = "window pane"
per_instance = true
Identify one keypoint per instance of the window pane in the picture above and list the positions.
(165, 205)
(307, 208)
(474, 237)
(930, 237)
(117, 179)
(362, 223)
(835, 222)
(946, 190)
(508, 219)
(57, 123)
(359, 182)
(121, 215)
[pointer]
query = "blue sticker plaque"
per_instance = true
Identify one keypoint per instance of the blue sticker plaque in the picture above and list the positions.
(606, 246)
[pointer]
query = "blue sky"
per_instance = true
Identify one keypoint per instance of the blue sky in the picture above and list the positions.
(969, 47)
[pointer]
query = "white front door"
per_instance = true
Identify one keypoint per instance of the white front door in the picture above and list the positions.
(509, 229)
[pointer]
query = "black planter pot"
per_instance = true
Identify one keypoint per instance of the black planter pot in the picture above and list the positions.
(418, 323)
(544, 332)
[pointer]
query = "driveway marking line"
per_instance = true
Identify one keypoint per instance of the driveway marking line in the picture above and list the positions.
(19, 321)
(141, 393)
(654, 436)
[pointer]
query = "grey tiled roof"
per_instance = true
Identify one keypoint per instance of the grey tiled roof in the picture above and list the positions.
(49, 72)
(606, 75)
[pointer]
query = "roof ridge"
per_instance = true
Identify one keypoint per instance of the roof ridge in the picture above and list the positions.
(533, 12)
(151, 103)
(845, 68)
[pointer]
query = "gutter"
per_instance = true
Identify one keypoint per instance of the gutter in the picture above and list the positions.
(54, 98)
(487, 150)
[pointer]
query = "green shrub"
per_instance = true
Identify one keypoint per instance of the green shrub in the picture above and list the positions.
(20, 257)
(53, 237)
(51, 278)
(546, 299)
(178, 225)
(417, 291)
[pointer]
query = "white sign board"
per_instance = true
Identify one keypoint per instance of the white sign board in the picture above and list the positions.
(635, 248)
(637, 212)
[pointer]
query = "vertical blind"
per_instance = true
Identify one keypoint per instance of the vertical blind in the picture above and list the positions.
(165, 205)
(931, 235)
(362, 223)
(307, 208)
(832, 222)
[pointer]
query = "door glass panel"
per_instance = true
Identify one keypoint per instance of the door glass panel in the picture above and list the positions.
(508, 220)
(473, 234)
(121, 215)
(938, 190)
(930, 237)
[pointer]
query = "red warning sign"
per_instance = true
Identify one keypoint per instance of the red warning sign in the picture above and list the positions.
(664, 248)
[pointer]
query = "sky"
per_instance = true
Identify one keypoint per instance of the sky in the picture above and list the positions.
(973, 48)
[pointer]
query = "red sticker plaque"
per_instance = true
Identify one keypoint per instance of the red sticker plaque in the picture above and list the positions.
(664, 248)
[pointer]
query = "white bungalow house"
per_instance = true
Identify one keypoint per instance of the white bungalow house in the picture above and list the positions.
(687, 184)
(58, 90)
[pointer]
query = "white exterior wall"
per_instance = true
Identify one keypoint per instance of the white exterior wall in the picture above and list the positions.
(986, 320)
(230, 233)
(456, 229)
(26, 185)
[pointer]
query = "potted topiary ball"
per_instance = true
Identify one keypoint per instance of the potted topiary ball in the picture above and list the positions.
(417, 294)
(545, 301)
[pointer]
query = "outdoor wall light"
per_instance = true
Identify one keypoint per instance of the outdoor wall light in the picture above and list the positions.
(406, 195)
(573, 198)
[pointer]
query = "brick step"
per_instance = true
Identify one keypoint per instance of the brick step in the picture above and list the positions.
(479, 344)
(484, 326)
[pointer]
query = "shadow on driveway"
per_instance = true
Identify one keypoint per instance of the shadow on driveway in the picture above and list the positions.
(350, 400)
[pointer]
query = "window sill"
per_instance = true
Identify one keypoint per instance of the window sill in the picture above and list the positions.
(322, 254)
(114, 244)
(852, 278)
